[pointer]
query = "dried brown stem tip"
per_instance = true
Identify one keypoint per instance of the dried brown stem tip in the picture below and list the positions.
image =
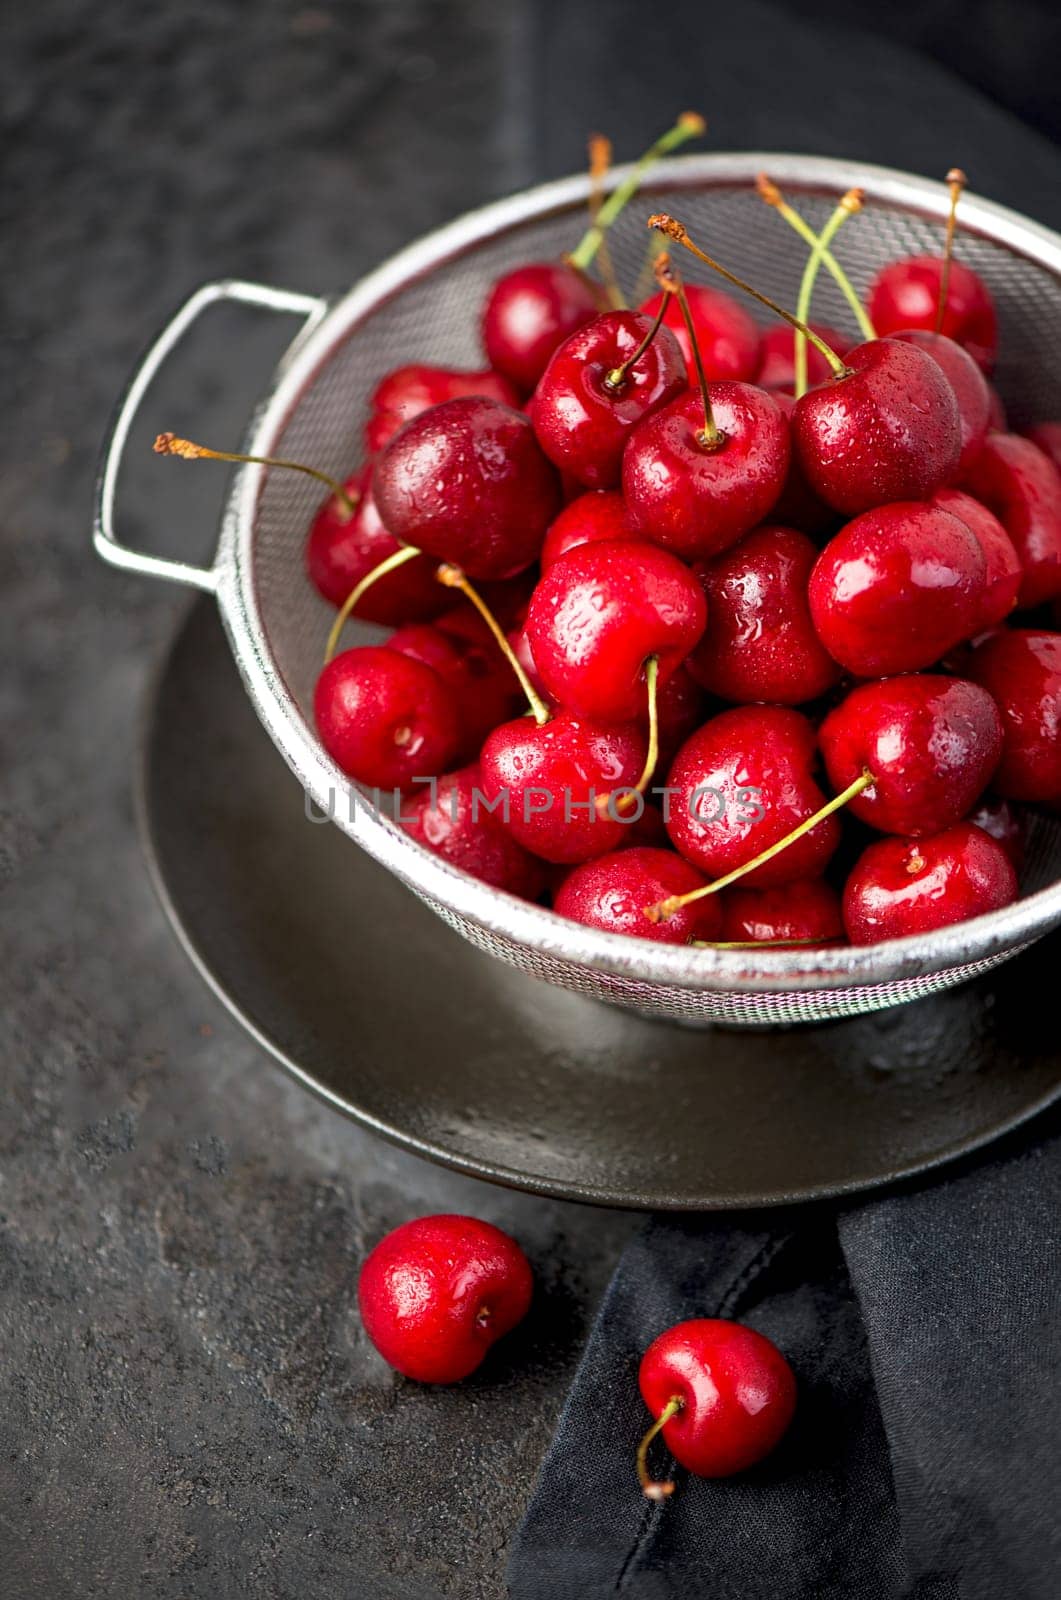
(768, 190)
(957, 176)
(668, 225)
(692, 123)
(664, 273)
(853, 200)
(167, 444)
(600, 156)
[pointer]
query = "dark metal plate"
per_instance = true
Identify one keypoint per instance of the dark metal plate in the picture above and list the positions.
(371, 1001)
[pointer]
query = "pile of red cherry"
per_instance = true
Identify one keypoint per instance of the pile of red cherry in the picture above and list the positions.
(711, 593)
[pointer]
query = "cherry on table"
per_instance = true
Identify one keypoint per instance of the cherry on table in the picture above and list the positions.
(342, 549)
(600, 613)
(723, 1397)
(407, 391)
(908, 886)
(385, 718)
(467, 482)
(1021, 669)
(452, 821)
(729, 339)
(803, 913)
(611, 892)
(761, 643)
(437, 1292)
(932, 744)
(1021, 485)
(592, 517)
(896, 588)
(598, 386)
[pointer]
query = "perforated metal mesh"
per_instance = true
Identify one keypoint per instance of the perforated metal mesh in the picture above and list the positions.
(434, 316)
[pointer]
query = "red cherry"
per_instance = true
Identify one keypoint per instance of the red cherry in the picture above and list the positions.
(807, 912)
(545, 780)
(460, 649)
(1021, 670)
(889, 431)
(597, 616)
(997, 420)
(906, 293)
(529, 312)
(384, 718)
(600, 514)
(1006, 824)
(341, 550)
(761, 643)
(453, 822)
(896, 588)
(1003, 577)
(679, 711)
(741, 784)
(727, 1391)
(1046, 436)
(728, 337)
(696, 498)
(797, 505)
(611, 894)
(930, 742)
(521, 647)
(405, 392)
(1021, 485)
(778, 368)
(436, 1293)
(592, 394)
(467, 483)
(905, 886)
(967, 381)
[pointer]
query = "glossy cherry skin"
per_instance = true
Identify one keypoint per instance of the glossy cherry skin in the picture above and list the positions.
(728, 338)
(737, 1389)
(932, 744)
(385, 719)
(797, 505)
(896, 588)
(1021, 485)
(600, 612)
(460, 649)
(341, 550)
(1046, 436)
(905, 294)
(906, 886)
(405, 392)
(889, 431)
(804, 912)
(697, 500)
(1007, 825)
(529, 312)
(679, 712)
(761, 643)
(778, 365)
(451, 821)
(1021, 670)
(545, 781)
(581, 419)
(466, 482)
(1003, 576)
(591, 518)
(717, 823)
(437, 1292)
(611, 894)
(967, 381)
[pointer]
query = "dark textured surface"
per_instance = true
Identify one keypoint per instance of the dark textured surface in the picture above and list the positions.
(187, 1408)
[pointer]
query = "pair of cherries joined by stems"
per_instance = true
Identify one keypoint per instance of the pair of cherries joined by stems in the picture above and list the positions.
(436, 1293)
(649, 530)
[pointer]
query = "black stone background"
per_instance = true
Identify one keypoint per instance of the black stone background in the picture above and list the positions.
(188, 1406)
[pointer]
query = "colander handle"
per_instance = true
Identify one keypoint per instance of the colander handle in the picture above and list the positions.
(103, 536)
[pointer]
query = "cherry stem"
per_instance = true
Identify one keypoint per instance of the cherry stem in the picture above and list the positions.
(600, 160)
(669, 280)
(168, 444)
(389, 564)
(615, 379)
(676, 231)
(849, 205)
(665, 909)
(750, 944)
(650, 1486)
(690, 125)
(772, 195)
(957, 180)
(652, 754)
(454, 578)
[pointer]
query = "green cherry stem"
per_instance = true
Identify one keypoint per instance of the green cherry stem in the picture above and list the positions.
(850, 203)
(168, 444)
(957, 180)
(690, 125)
(389, 563)
(772, 195)
(454, 578)
(652, 753)
(710, 437)
(651, 1487)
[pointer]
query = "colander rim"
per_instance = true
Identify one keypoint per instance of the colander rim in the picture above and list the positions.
(495, 912)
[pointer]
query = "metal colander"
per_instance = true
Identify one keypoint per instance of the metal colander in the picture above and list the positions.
(424, 305)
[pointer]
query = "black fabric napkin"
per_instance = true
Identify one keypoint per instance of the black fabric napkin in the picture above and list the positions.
(923, 1329)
